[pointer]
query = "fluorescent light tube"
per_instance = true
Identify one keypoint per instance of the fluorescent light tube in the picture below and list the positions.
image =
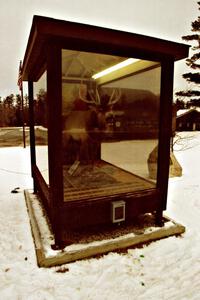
(118, 66)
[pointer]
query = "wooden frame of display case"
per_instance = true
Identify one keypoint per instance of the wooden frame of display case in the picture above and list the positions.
(47, 38)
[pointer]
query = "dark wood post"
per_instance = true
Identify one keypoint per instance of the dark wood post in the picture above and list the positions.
(167, 71)
(54, 103)
(23, 123)
(32, 134)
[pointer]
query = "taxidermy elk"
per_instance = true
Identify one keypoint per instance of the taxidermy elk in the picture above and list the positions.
(85, 126)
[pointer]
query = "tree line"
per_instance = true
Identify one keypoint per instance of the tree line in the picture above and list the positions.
(11, 111)
(14, 112)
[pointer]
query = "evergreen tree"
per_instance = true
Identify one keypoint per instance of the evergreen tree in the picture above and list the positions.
(192, 62)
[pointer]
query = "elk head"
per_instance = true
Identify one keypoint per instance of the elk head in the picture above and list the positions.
(100, 102)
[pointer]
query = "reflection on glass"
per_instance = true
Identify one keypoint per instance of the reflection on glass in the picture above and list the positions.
(40, 128)
(110, 124)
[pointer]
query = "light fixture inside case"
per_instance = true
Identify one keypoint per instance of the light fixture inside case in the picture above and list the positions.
(116, 67)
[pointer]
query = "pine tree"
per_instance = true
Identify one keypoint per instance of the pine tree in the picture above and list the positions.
(192, 62)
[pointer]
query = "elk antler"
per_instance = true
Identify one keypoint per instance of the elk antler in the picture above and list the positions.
(83, 94)
(115, 96)
(94, 96)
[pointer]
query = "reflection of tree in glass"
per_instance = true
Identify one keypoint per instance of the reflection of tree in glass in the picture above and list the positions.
(41, 109)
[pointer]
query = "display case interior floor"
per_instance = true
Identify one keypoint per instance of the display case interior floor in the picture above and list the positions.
(102, 179)
(91, 243)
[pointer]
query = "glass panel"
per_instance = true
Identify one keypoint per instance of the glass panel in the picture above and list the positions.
(41, 128)
(110, 124)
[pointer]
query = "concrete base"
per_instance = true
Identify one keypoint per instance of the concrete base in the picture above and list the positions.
(43, 238)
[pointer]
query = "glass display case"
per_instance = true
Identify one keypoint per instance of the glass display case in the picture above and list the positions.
(110, 113)
(100, 103)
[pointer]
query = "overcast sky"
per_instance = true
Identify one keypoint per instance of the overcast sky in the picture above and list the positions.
(166, 19)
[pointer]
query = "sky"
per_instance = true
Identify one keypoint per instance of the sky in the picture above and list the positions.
(166, 19)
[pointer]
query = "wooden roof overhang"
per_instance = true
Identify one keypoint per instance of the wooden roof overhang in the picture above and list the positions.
(75, 36)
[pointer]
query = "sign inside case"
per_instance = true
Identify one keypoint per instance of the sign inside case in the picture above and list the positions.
(118, 211)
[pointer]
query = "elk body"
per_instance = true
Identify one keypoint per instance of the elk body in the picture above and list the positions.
(85, 126)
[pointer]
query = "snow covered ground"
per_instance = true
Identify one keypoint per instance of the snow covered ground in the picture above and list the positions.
(165, 269)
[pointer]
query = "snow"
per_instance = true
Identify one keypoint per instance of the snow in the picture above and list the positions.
(181, 112)
(165, 269)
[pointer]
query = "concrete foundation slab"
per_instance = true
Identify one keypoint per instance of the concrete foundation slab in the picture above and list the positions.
(44, 239)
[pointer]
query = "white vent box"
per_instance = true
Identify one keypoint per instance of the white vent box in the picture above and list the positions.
(118, 211)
